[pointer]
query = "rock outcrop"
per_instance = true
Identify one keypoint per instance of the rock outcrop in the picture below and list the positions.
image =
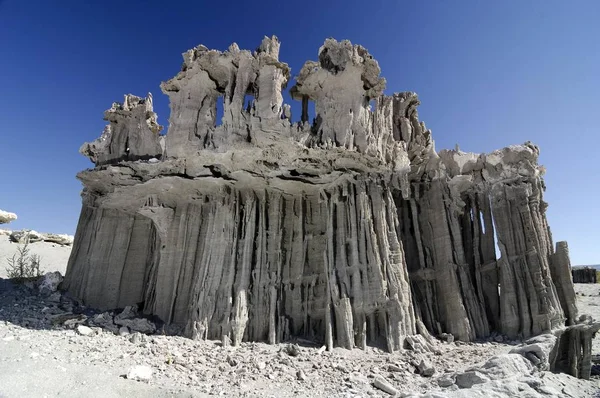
(351, 230)
(132, 133)
(6, 217)
(30, 236)
(584, 275)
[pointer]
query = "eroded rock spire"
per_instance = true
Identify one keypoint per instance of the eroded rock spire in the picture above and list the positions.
(351, 230)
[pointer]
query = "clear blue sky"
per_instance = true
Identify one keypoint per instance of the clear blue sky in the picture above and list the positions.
(489, 74)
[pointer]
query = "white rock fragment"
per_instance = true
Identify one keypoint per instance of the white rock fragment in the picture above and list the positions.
(25, 236)
(84, 330)
(300, 375)
(384, 385)
(139, 373)
(6, 217)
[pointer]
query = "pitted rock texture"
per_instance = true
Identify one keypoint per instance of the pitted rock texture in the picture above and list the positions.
(351, 231)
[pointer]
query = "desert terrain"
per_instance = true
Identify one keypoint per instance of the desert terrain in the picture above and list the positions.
(42, 358)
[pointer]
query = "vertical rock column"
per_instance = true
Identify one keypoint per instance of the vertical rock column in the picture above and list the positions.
(439, 272)
(478, 241)
(560, 267)
(320, 268)
(529, 303)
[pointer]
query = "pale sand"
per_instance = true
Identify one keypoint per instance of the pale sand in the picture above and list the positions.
(53, 257)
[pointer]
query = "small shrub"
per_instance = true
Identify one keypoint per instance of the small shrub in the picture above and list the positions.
(22, 265)
(597, 276)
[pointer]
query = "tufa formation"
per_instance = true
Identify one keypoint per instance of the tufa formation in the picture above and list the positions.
(584, 275)
(350, 229)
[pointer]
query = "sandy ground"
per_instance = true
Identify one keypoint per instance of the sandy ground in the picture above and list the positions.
(38, 359)
(53, 257)
(588, 302)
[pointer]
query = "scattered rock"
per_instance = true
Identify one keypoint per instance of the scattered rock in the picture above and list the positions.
(425, 368)
(418, 343)
(394, 368)
(128, 312)
(70, 320)
(292, 350)
(84, 330)
(137, 338)
(447, 337)
(54, 297)
(49, 283)
(231, 361)
(446, 381)
(384, 385)
(470, 378)
(141, 325)
(261, 365)
(300, 375)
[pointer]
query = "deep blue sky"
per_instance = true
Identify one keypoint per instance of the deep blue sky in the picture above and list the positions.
(489, 74)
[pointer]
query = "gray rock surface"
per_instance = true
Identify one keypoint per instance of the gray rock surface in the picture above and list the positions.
(350, 231)
(132, 133)
(573, 353)
(49, 283)
(560, 266)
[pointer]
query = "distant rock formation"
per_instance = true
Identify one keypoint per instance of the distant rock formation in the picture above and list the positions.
(351, 230)
(584, 275)
(30, 236)
(6, 217)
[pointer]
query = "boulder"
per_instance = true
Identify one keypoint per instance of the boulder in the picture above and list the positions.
(25, 236)
(61, 239)
(129, 318)
(470, 378)
(49, 282)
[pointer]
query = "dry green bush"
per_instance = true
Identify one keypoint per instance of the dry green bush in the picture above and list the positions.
(22, 265)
